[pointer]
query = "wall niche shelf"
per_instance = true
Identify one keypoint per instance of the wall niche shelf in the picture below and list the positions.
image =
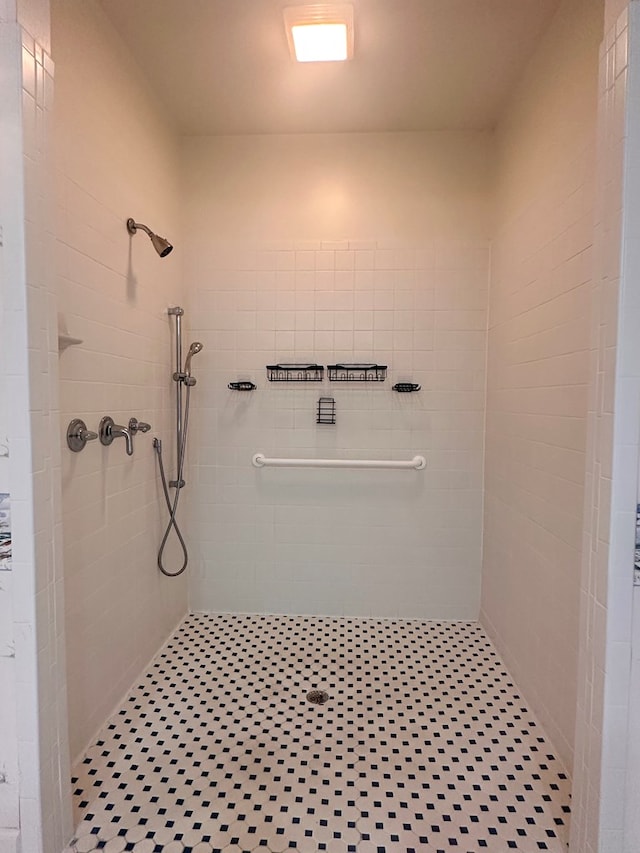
(357, 372)
(295, 372)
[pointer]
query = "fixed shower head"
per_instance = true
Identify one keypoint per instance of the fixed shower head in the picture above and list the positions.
(194, 349)
(162, 246)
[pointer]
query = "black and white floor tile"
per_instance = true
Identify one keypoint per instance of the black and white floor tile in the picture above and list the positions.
(423, 745)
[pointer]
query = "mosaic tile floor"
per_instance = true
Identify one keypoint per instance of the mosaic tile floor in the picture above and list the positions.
(423, 745)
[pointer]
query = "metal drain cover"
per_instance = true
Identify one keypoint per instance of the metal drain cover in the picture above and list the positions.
(318, 697)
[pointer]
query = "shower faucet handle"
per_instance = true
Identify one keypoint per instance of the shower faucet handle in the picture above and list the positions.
(78, 435)
(138, 426)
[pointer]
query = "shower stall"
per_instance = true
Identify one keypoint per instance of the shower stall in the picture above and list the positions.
(420, 638)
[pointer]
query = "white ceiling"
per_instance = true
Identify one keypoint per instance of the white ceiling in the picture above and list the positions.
(223, 66)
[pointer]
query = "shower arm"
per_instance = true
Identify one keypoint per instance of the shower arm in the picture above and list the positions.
(132, 227)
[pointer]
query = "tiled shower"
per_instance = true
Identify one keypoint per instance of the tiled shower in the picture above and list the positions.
(462, 260)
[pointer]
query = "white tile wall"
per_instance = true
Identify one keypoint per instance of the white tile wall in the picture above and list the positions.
(45, 812)
(612, 464)
(10, 194)
(631, 298)
(538, 367)
(613, 10)
(115, 158)
(34, 17)
(338, 542)
(29, 354)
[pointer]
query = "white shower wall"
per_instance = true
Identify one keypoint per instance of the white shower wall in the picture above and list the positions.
(116, 157)
(357, 249)
(35, 813)
(538, 366)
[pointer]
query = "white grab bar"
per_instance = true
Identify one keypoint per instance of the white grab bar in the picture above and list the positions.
(418, 463)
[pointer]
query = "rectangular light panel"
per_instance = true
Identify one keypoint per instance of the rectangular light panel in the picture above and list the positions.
(322, 32)
(320, 42)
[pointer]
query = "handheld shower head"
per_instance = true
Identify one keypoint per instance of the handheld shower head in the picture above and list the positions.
(194, 349)
(162, 246)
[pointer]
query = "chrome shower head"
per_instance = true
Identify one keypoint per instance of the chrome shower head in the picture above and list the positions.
(194, 349)
(162, 246)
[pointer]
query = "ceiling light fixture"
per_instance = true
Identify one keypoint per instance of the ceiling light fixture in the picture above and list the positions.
(320, 33)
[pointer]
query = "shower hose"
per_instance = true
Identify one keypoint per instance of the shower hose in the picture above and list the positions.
(172, 505)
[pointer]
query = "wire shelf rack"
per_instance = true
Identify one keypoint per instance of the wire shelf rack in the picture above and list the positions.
(295, 372)
(357, 372)
(326, 412)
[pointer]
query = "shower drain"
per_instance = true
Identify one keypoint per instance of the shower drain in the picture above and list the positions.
(318, 697)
